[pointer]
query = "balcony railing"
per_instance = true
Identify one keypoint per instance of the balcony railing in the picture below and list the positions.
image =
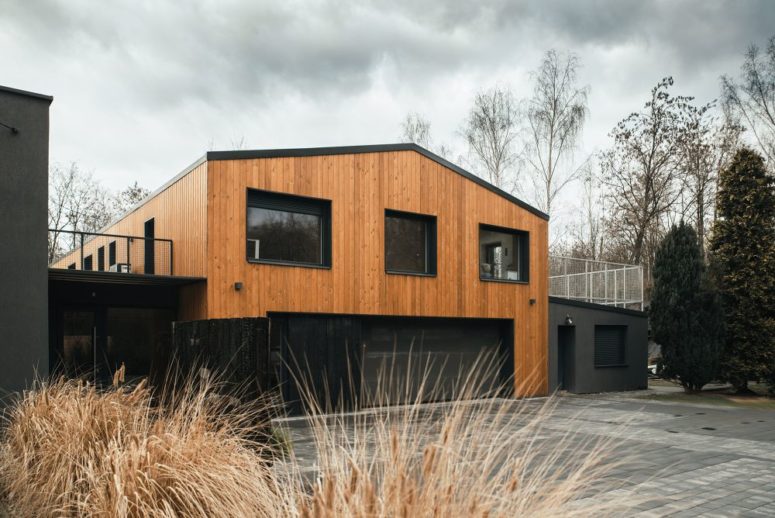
(75, 250)
(611, 284)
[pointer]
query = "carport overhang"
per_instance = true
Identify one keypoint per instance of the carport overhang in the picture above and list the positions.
(116, 278)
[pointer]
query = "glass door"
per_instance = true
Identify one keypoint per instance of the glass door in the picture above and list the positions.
(79, 343)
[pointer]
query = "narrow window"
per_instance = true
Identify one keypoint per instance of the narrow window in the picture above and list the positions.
(88, 263)
(71, 267)
(610, 346)
(503, 254)
(286, 229)
(111, 253)
(101, 258)
(410, 243)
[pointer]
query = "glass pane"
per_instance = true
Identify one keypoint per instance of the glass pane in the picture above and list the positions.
(284, 236)
(77, 341)
(499, 255)
(135, 337)
(405, 244)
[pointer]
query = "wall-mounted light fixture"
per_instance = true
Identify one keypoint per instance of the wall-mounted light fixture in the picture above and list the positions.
(13, 129)
(237, 286)
(568, 320)
(532, 302)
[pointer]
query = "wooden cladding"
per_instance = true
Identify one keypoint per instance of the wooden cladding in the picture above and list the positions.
(361, 187)
(205, 214)
(179, 213)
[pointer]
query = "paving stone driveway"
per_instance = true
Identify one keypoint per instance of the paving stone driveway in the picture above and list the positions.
(683, 459)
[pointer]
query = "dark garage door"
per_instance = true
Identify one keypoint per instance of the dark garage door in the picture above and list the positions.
(388, 355)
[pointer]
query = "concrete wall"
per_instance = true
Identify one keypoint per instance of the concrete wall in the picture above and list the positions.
(585, 377)
(23, 238)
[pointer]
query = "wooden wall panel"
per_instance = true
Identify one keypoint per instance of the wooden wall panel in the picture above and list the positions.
(180, 214)
(361, 187)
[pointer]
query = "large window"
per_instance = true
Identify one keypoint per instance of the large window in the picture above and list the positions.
(286, 229)
(410, 243)
(610, 346)
(503, 254)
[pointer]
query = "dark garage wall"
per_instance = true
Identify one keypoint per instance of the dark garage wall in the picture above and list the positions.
(23, 238)
(585, 376)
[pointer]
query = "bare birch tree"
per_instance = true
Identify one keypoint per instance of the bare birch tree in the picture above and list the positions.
(490, 132)
(752, 96)
(587, 234)
(78, 202)
(555, 114)
(416, 129)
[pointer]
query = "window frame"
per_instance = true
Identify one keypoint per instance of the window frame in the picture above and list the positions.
(278, 197)
(431, 242)
(624, 331)
(524, 252)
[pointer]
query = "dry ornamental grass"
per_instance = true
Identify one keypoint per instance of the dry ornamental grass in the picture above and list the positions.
(69, 449)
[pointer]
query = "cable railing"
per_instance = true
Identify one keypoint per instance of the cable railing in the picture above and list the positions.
(91, 251)
(600, 282)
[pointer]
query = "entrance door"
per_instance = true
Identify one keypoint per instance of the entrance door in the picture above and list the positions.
(96, 342)
(566, 338)
(81, 335)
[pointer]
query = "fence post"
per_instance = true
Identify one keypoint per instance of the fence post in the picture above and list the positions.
(616, 287)
(171, 261)
(128, 240)
(81, 251)
(624, 282)
(641, 288)
(586, 281)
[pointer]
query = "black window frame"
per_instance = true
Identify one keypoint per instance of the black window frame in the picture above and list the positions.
(431, 242)
(111, 254)
(88, 263)
(287, 202)
(101, 259)
(524, 252)
(622, 361)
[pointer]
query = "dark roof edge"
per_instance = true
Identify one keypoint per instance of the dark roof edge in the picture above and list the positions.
(602, 307)
(377, 148)
(10, 90)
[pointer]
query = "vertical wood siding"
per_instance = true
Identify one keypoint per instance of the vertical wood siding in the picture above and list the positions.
(180, 214)
(361, 187)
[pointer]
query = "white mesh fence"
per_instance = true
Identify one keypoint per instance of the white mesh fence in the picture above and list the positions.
(601, 282)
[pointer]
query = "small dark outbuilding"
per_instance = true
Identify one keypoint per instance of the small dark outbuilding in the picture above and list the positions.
(596, 348)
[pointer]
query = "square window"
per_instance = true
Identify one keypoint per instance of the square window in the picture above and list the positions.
(286, 229)
(410, 243)
(610, 346)
(503, 254)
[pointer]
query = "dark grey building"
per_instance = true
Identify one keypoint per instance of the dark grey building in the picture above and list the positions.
(596, 348)
(24, 128)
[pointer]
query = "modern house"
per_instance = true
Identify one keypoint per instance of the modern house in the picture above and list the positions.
(357, 254)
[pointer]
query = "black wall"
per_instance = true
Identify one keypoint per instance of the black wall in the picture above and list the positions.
(585, 376)
(23, 238)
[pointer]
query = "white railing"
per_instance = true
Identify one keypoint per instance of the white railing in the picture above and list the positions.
(601, 282)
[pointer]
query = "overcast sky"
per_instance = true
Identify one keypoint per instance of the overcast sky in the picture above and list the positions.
(143, 88)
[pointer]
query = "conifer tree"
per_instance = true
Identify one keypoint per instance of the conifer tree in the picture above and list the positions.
(685, 313)
(743, 264)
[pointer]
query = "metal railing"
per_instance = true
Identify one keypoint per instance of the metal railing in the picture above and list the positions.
(91, 251)
(601, 282)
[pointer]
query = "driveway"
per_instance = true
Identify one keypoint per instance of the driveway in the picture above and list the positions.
(686, 459)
